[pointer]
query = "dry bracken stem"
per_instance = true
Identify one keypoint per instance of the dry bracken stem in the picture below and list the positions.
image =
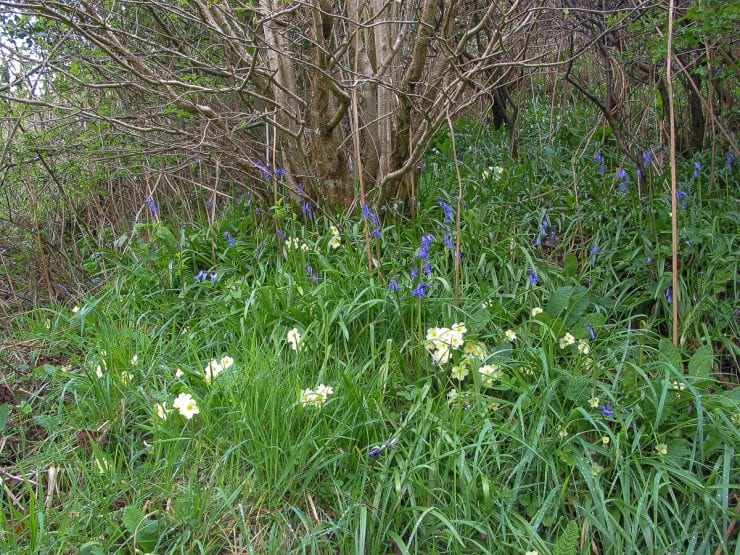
(457, 214)
(674, 200)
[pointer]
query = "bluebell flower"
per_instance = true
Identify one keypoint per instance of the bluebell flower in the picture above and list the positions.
(264, 169)
(373, 218)
(229, 239)
(606, 410)
(393, 284)
(622, 174)
(201, 276)
(623, 186)
(304, 201)
(310, 273)
(213, 276)
(447, 210)
(427, 268)
(729, 159)
(646, 158)
(590, 328)
(697, 169)
(448, 242)
(681, 198)
(532, 277)
(152, 206)
(592, 255)
(598, 158)
(668, 295)
(423, 250)
(377, 449)
(280, 172)
(414, 273)
(420, 290)
(280, 234)
(602, 169)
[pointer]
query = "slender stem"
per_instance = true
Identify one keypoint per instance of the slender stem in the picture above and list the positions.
(457, 214)
(358, 158)
(674, 200)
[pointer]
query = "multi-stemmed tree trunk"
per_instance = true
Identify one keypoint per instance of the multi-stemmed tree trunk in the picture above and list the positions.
(264, 85)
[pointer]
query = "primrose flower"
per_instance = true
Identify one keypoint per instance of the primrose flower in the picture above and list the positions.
(335, 242)
(594, 402)
(567, 340)
(324, 391)
(178, 372)
(75, 309)
(583, 347)
(605, 441)
(475, 349)
(489, 373)
(510, 335)
(535, 311)
(134, 360)
(596, 470)
(562, 433)
(459, 372)
(662, 448)
(99, 371)
(317, 397)
(678, 386)
(186, 405)
(227, 362)
(161, 411)
(126, 377)
(441, 355)
(295, 339)
(531, 553)
(212, 369)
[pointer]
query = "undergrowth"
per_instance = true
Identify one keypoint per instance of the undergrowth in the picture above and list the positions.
(241, 388)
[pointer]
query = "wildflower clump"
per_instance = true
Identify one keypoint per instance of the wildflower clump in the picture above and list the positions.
(567, 340)
(315, 397)
(441, 342)
(336, 241)
(489, 374)
(215, 367)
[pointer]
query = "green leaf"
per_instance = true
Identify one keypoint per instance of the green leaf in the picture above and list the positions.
(570, 264)
(700, 364)
(131, 518)
(558, 301)
(671, 354)
(567, 542)
(92, 548)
